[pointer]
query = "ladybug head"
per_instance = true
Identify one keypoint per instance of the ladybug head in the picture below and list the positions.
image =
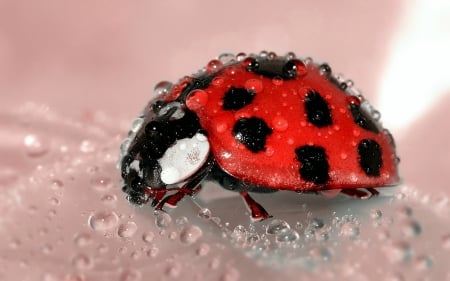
(165, 150)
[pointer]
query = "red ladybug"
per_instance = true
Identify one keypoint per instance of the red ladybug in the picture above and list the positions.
(257, 123)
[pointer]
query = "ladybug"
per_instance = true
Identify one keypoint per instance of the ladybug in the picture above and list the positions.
(257, 123)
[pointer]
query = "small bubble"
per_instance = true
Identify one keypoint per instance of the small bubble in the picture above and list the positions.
(153, 252)
(181, 221)
(202, 250)
(87, 146)
(279, 123)
(102, 248)
(399, 252)
(254, 85)
(231, 274)
(15, 243)
(405, 212)
(82, 239)
(376, 214)
(54, 201)
(317, 223)
(108, 198)
(57, 184)
(172, 235)
(204, 213)
(276, 226)
(277, 81)
(163, 220)
(82, 262)
(136, 124)
(218, 81)
(287, 235)
(127, 230)
(196, 99)
(423, 262)
(101, 183)
(148, 236)
(47, 249)
(321, 253)
(411, 228)
(103, 220)
(239, 234)
(190, 234)
(350, 230)
(34, 146)
(213, 66)
(174, 270)
(130, 275)
(241, 56)
(162, 88)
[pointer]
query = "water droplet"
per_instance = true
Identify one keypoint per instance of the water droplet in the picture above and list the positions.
(239, 234)
(130, 275)
(148, 236)
(82, 239)
(254, 85)
(202, 250)
(47, 249)
(213, 66)
(376, 214)
(226, 58)
(241, 56)
(101, 182)
(54, 201)
(231, 274)
(108, 198)
(181, 221)
(162, 88)
(102, 248)
(350, 230)
(325, 69)
(277, 81)
(279, 123)
(399, 252)
(87, 146)
(286, 236)
(405, 212)
(174, 270)
(316, 223)
(196, 99)
(204, 213)
(127, 230)
(411, 228)
(103, 220)
(82, 262)
(172, 235)
(163, 220)
(276, 226)
(153, 252)
(423, 262)
(446, 241)
(321, 253)
(190, 234)
(218, 81)
(34, 146)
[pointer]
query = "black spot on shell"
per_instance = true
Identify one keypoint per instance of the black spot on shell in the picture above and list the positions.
(370, 157)
(362, 120)
(237, 98)
(314, 164)
(251, 132)
(317, 110)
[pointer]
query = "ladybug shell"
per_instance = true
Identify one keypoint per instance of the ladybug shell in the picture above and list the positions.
(304, 133)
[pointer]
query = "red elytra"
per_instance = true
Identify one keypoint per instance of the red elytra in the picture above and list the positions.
(281, 104)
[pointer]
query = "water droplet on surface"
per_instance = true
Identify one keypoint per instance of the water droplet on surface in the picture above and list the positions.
(34, 146)
(376, 214)
(316, 223)
(321, 253)
(103, 220)
(130, 275)
(239, 234)
(204, 213)
(411, 228)
(163, 220)
(286, 236)
(127, 230)
(213, 66)
(181, 221)
(254, 85)
(162, 88)
(174, 270)
(446, 241)
(226, 58)
(87, 146)
(398, 252)
(101, 182)
(153, 252)
(108, 198)
(190, 234)
(54, 201)
(196, 99)
(241, 56)
(202, 250)
(82, 262)
(405, 212)
(279, 123)
(82, 239)
(148, 236)
(350, 230)
(276, 226)
(277, 81)
(231, 274)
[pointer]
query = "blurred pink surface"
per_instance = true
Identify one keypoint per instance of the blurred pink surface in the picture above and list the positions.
(93, 66)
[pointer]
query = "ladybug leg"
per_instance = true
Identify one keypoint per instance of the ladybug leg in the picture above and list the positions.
(258, 212)
(361, 194)
(191, 188)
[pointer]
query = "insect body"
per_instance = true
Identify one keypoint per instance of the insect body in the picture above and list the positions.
(257, 123)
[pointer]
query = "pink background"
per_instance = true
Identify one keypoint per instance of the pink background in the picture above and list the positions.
(93, 64)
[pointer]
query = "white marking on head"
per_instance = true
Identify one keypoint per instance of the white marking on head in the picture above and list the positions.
(184, 158)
